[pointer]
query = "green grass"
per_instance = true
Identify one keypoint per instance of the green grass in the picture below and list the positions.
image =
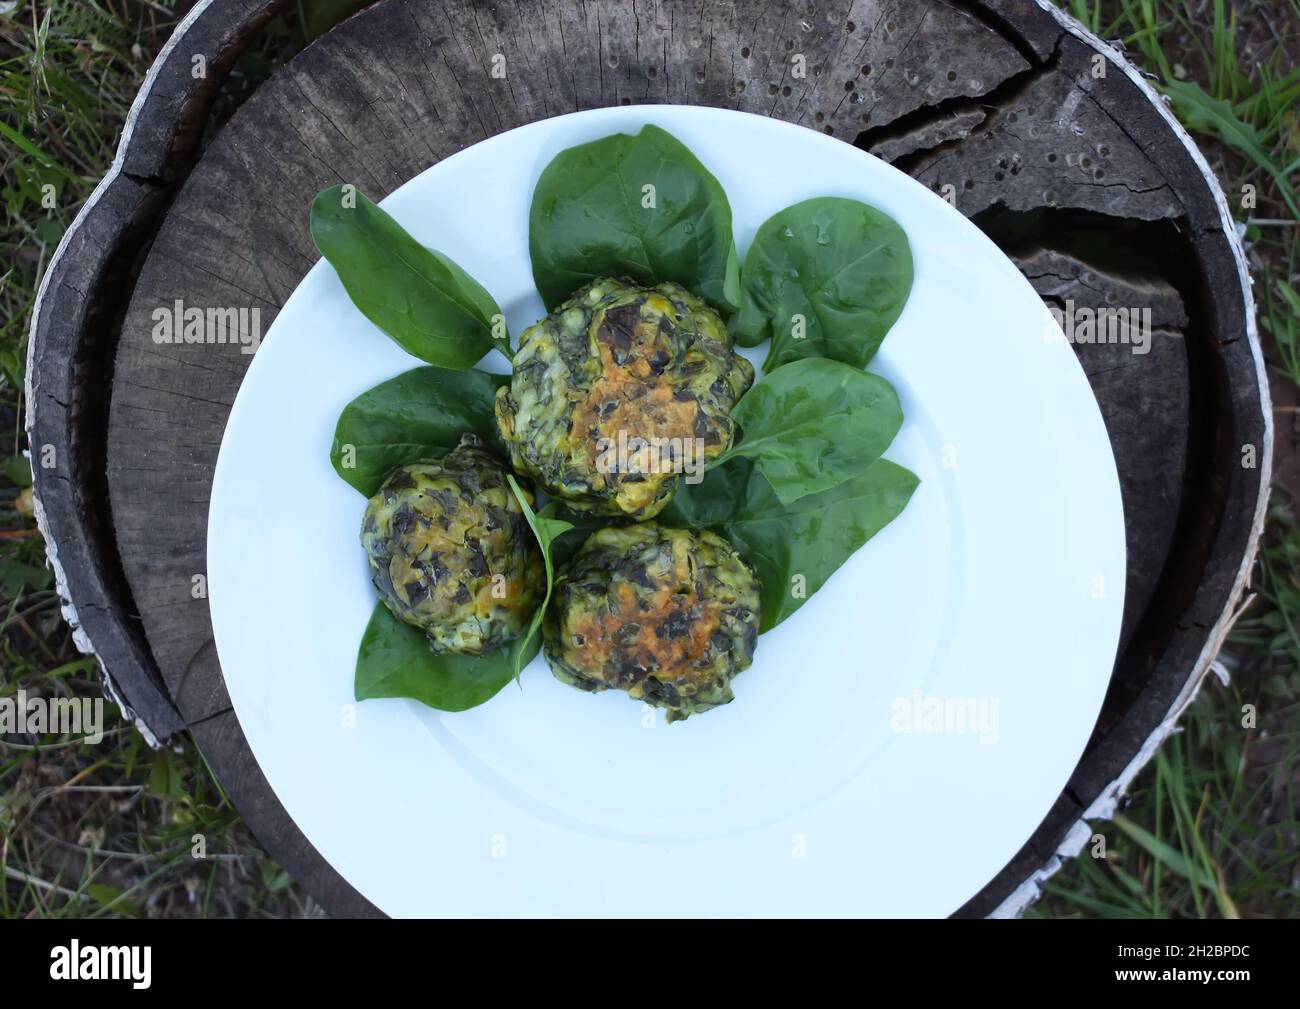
(1213, 826)
(106, 830)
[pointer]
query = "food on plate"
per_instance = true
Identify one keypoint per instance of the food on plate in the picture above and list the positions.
(668, 615)
(619, 393)
(451, 552)
(628, 403)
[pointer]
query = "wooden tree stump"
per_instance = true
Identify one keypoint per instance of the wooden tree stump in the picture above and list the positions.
(1048, 139)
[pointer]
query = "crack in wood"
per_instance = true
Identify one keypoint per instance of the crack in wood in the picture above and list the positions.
(919, 123)
(452, 97)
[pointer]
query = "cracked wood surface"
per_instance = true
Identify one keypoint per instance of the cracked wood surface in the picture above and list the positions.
(991, 88)
(1144, 399)
(402, 86)
(1051, 143)
(71, 350)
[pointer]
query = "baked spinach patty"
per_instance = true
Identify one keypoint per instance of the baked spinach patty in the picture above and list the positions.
(668, 615)
(618, 392)
(451, 552)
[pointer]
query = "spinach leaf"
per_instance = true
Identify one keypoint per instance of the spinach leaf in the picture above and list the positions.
(815, 424)
(824, 278)
(547, 528)
(395, 661)
(418, 415)
(582, 525)
(632, 206)
(424, 301)
(807, 540)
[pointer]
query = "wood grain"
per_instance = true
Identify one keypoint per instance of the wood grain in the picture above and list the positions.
(992, 97)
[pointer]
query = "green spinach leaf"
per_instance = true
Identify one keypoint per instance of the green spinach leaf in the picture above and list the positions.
(815, 424)
(395, 661)
(419, 414)
(824, 278)
(582, 525)
(639, 206)
(798, 546)
(424, 301)
(547, 528)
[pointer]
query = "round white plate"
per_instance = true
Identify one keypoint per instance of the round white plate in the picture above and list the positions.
(841, 781)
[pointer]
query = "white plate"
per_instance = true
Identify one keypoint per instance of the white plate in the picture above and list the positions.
(1002, 583)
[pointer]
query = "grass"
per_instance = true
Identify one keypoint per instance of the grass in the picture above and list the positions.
(107, 829)
(1211, 828)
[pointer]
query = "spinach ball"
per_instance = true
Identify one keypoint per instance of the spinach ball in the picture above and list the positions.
(617, 393)
(669, 615)
(451, 551)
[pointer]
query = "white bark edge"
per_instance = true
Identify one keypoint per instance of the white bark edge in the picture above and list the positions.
(1108, 802)
(67, 607)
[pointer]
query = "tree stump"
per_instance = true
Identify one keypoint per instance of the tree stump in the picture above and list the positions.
(1044, 135)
